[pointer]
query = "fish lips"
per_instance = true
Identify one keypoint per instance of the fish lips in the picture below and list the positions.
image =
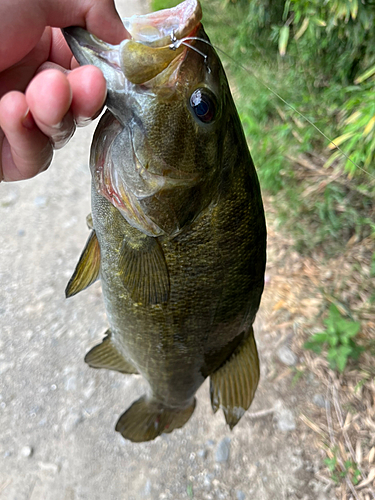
(88, 49)
(155, 43)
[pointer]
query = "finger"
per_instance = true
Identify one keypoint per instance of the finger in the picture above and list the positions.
(60, 52)
(49, 97)
(89, 93)
(25, 151)
(21, 27)
(102, 20)
(97, 16)
(19, 75)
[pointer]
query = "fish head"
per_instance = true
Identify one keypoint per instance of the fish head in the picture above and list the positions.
(158, 154)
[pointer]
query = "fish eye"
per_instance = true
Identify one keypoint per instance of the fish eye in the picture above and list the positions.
(203, 104)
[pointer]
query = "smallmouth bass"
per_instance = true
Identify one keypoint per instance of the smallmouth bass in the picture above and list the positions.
(178, 234)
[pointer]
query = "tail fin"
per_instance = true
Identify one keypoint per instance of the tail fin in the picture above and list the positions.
(145, 420)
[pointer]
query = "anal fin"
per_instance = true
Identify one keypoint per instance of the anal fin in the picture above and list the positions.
(87, 269)
(144, 270)
(106, 355)
(145, 420)
(233, 385)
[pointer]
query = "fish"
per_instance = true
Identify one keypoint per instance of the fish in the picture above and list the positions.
(178, 233)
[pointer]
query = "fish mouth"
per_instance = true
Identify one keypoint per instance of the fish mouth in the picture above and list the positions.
(153, 46)
(158, 29)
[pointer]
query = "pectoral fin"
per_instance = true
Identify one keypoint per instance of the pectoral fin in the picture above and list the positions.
(87, 269)
(145, 420)
(106, 355)
(233, 386)
(144, 270)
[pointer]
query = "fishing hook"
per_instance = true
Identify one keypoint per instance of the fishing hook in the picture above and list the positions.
(176, 43)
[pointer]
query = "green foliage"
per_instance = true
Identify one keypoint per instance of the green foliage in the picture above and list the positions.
(336, 41)
(189, 490)
(163, 4)
(298, 374)
(339, 337)
(320, 56)
(331, 464)
(350, 469)
(358, 129)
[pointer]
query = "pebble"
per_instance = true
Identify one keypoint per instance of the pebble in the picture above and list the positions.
(27, 451)
(240, 495)
(222, 450)
(40, 201)
(319, 400)
(9, 199)
(202, 453)
(285, 420)
(287, 356)
(208, 480)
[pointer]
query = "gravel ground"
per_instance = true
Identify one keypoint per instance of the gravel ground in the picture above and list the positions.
(57, 415)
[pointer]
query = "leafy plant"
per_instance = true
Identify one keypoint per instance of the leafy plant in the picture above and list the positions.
(339, 337)
(331, 464)
(350, 469)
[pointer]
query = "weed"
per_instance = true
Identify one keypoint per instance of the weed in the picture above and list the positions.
(339, 337)
(298, 374)
(349, 469)
(189, 490)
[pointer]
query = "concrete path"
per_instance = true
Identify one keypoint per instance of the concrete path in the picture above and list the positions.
(57, 416)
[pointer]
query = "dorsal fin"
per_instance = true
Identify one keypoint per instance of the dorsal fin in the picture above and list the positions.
(87, 269)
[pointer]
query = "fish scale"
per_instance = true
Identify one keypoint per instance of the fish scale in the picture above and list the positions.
(179, 237)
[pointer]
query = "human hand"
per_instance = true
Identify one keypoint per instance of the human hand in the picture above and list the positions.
(41, 100)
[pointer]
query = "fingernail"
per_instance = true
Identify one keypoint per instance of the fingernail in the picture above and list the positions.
(82, 122)
(28, 120)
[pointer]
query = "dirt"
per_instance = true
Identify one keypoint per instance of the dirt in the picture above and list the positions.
(57, 415)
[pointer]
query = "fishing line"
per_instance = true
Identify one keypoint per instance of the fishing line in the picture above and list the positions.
(177, 43)
(199, 52)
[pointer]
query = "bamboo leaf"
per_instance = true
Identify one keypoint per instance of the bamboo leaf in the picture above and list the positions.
(302, 29)
(283, 40)
(352, 118)
(354, 9)
(369, 126)
(340, 139)
(365, 75)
